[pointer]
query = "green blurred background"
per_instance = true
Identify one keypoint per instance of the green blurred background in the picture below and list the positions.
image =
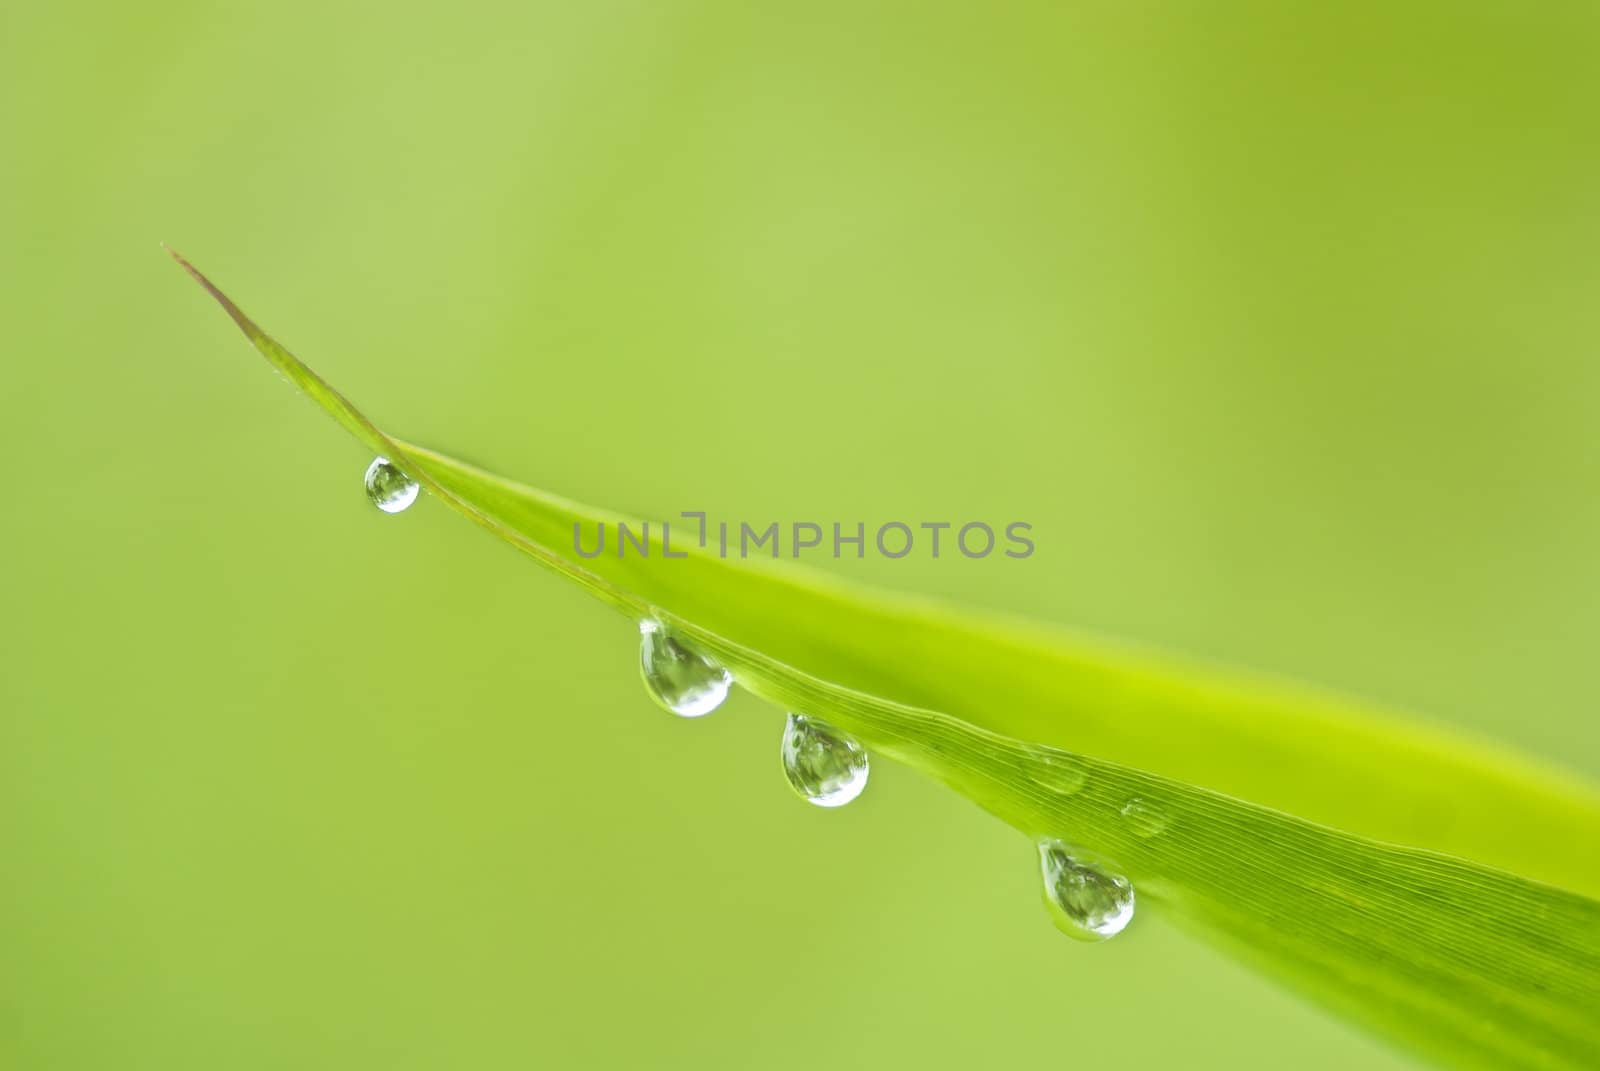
(1278, 321)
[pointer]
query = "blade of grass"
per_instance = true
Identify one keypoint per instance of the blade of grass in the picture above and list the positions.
(1452, 954)
(1269, 742)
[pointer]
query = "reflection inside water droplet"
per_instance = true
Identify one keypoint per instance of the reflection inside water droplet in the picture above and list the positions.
(1087, 900)
(389, 489)
(681, 679)
(825, 765)
(1144, 818)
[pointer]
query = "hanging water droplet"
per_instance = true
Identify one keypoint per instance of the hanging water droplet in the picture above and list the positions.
(1059, 771)
(390, 489)
(685, 682)
(1086, 900)
(1144, 818)
(825, 765)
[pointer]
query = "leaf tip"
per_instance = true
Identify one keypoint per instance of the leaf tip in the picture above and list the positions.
(247, 325)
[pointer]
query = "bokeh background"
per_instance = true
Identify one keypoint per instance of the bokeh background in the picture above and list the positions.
(1277, 320)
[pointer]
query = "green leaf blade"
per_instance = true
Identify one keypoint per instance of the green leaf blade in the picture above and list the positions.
(1282, 746)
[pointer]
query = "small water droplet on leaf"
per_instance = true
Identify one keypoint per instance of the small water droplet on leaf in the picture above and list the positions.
(826, 766)
(1059, 771)
(681, 679)
(1144, 818)
(389, 489)
(1087, 900)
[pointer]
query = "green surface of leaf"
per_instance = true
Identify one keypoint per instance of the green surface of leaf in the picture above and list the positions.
(1282, 813)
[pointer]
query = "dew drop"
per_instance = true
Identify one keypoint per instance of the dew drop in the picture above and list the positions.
(1144, 818)
(389, 489)
(684, 681)
(1059, 771)
(826, 766)
(1086, 900)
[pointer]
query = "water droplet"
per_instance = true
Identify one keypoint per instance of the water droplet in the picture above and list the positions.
(1086, 900)
(1059, 771)
(684, 681)
(825, 765)
(390, 489)
(1144, 818)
